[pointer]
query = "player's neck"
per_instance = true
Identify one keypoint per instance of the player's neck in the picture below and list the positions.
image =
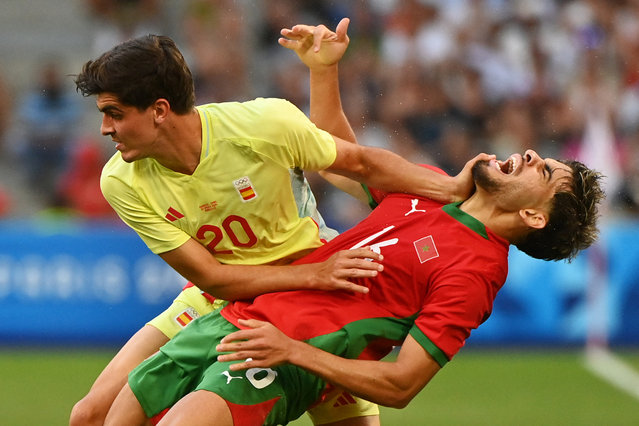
(503, 223)
(181, 143)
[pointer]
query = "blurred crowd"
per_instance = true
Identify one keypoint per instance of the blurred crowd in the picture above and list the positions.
(436, 81)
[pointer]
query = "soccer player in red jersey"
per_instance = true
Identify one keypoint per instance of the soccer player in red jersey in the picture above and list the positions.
(443, 266)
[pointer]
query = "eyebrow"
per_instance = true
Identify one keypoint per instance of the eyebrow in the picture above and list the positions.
(109, 108)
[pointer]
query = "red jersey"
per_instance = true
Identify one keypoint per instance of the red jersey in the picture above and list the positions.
(442, 271)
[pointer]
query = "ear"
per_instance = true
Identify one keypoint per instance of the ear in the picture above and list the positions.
(535, 219)
(161, 109)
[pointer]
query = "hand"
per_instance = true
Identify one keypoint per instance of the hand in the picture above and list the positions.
(335, 272)
(464, 183)
(262, 342)
(317, 46)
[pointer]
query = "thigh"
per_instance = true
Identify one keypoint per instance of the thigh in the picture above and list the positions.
(142, 345)
(165, 378)
(198, 408)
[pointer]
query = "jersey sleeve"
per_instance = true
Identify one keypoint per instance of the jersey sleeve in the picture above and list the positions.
(155, 231)
(291, 138)
(450, 313)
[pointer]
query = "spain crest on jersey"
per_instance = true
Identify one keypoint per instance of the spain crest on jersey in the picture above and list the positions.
(245, 188)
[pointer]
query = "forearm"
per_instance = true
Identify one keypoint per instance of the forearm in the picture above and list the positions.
(326, 104)
(261, 345)
(327, 114)
(387, 171)
(236, 282)
(375, 381)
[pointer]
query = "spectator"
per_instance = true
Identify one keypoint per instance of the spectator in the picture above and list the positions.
(79, 188)
(118, 20)
(5, 112)
(48, 115)
(216, 39)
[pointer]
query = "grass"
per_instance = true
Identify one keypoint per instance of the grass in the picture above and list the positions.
(40, 387)
(487, 387)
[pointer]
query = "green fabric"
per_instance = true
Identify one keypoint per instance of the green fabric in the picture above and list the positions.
(429, 346)
(371, 201)
(464, 218)
(189, 362)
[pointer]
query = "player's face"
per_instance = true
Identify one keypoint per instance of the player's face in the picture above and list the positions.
(520, 182)
(133, 131)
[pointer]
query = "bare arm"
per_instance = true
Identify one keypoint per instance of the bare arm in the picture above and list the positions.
(320, 49)
(232, 282)
(392, 384)
(387, 171)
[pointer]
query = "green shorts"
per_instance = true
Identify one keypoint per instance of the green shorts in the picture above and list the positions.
(189, 362)
(190, 304)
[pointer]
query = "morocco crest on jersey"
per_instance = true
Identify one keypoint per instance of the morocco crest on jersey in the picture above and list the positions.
(426, 249)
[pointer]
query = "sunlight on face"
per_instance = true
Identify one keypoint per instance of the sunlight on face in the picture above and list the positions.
(522, 181)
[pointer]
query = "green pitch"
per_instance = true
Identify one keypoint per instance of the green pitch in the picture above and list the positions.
(496, 387)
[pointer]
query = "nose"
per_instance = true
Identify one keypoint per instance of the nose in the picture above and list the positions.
(106, 128)
(532, 158)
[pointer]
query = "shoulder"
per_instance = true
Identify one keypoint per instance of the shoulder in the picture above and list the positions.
(261, 113)
(256, 105)
(279, 110)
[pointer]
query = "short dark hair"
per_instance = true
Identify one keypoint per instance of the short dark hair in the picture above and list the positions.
(139, 72)
(572, 223)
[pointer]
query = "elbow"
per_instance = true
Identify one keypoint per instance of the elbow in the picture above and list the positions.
(399, 398)
(360, 163)
(404, 400)
(398, 402)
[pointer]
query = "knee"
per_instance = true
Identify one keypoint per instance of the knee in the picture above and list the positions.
(87, 412)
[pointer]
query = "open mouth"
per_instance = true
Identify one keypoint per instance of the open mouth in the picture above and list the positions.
(508, 166)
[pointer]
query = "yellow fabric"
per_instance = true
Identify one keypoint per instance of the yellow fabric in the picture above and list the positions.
(239, 200)
(339, 405)
(189, 304)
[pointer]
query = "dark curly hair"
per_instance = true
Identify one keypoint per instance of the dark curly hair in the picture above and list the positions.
(139, 72)
(572, 223)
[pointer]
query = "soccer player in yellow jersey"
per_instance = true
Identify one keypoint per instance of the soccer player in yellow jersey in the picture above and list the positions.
(208, 189)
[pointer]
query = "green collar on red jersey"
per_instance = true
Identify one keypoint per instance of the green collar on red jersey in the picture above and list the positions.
(453, 211)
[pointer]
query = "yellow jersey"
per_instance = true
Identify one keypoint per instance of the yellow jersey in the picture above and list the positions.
(239, 202)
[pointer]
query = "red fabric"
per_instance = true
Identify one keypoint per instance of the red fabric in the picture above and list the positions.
(80, 186)
(244, 415)
(249, 415)
(156, 419)
(434, 265)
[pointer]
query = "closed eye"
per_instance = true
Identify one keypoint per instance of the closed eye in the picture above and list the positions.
(547, 171)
